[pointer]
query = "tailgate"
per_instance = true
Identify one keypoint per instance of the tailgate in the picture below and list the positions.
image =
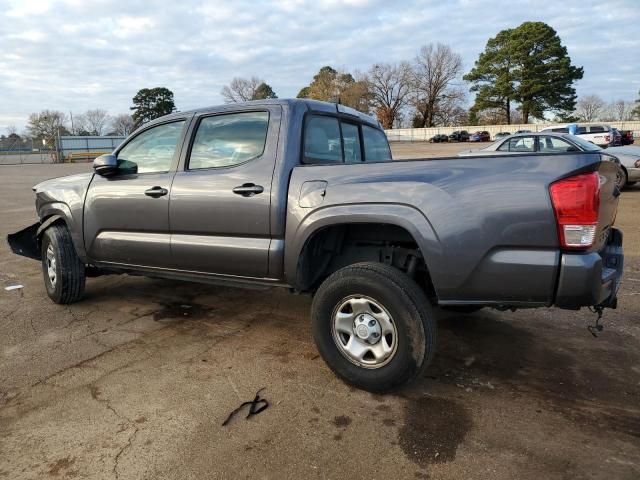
(609, 195)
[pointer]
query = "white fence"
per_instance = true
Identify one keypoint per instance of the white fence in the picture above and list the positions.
(423, 134)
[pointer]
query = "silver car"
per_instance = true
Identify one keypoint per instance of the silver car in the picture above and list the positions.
(549, 142)
(541, 142)
(629, 157)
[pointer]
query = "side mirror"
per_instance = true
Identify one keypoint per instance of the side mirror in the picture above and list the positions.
(105, 165)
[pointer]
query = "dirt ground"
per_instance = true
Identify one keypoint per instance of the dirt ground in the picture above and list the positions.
(136, 380)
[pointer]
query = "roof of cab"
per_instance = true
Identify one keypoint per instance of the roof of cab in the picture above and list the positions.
(311, 105)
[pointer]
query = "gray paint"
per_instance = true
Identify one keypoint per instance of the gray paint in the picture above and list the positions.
(485, 227)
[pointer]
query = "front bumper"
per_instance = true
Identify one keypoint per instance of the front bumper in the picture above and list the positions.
(591, 279)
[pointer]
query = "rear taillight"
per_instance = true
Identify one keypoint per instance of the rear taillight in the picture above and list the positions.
(576, 201)
(607, 138)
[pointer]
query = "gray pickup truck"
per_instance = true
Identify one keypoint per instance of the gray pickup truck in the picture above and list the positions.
(305, 195)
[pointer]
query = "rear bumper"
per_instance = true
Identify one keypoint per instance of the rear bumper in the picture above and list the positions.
(633, 174)
(591, 279)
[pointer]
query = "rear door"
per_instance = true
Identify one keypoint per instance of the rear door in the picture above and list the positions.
(126, 217)
(221, 195)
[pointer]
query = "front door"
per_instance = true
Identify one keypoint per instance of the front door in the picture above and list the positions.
(126, 217)
(221, 198)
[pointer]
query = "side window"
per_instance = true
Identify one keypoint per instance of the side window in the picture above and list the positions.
(505, 146)
(351, 139)
(597, 129)
(582, 130)
(554, 145)
(560, 130)
(376, 145)
(152, 150)
(322, 140)
(518, 145)
(227, 140)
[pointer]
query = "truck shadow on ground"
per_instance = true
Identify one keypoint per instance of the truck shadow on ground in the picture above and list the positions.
(592, 381)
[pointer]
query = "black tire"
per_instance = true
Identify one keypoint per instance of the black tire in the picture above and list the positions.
(408, 308)
(621, 178)
(68, 286)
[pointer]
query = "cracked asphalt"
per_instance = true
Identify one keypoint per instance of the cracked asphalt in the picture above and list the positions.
(135, 381)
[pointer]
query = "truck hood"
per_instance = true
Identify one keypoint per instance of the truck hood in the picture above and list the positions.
(79, 180)
(64, 195)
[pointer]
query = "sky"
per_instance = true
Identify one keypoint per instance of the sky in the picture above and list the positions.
(75, 55)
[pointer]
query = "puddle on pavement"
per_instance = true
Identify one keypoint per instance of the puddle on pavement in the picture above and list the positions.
(433, 429)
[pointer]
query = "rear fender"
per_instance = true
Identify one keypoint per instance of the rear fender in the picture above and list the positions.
(404, 216)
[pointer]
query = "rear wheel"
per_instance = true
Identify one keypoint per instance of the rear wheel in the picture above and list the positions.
(373, 326)
(621, 178)
(63, 271)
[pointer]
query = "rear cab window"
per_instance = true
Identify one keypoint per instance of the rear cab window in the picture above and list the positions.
(329, 139)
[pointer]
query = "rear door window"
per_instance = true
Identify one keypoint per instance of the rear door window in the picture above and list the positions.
(597, 129)
(554, 145)
(228, 140)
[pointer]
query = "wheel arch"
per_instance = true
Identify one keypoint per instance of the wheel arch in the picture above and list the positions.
(59, 212)
(388, 218)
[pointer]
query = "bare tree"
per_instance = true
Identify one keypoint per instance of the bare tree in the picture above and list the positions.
(389, 90)
(435, 68)
(11, 130)
(46, 125)
(122, 124)
(620, 110)
(241, 89)
(588, 108)
(96, 120)
(450, 111)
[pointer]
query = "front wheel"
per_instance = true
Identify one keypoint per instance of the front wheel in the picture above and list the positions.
(63, 271)
(373, 326)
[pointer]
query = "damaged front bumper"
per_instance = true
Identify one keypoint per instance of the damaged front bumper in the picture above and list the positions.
(25, 242)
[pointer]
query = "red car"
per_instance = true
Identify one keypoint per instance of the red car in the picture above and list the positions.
(480, 136)
(627, 137)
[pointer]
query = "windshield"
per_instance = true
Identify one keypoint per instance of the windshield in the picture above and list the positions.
(586, 146)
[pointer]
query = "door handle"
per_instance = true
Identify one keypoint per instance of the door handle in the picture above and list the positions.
(156, 192)
(248, 189)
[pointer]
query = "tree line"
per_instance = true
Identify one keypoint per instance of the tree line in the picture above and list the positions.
(524, 73)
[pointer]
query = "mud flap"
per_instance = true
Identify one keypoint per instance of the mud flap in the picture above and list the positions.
(25, 242)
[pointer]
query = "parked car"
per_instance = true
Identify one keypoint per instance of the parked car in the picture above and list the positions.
(480, 136)
(304, 195)
(543, 142)
(629, 157)
(600, 135)
(522, 131)
(616, 138)
(627, 137)
(459, 136)
(500, 135)
(439, 138)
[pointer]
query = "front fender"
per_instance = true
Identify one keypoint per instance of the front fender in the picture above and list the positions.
(404, 216)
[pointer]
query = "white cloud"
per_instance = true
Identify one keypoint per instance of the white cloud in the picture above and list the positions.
(75, 55)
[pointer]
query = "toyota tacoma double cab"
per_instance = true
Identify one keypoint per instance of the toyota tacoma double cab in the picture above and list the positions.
(305, 195)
